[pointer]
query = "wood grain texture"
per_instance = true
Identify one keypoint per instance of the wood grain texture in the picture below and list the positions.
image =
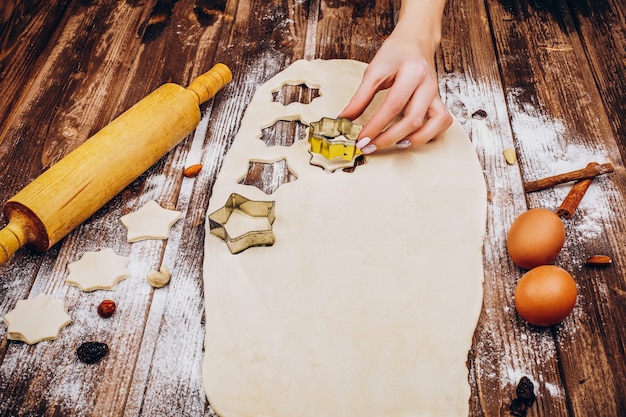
(557, 90)
(504, 349)
(544, 78)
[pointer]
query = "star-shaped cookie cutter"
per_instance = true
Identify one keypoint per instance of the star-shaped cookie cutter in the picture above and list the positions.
(251, 208)
(335, 138)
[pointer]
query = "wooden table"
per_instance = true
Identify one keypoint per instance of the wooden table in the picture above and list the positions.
(546, 79)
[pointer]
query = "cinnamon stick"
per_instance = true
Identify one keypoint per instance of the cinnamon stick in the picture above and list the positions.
(580, 174)
(575, 195)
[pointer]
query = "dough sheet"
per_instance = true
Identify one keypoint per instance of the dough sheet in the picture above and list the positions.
(367, 302)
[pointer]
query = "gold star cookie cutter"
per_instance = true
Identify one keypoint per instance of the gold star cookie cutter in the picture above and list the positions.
(335, 140)
(252, 209)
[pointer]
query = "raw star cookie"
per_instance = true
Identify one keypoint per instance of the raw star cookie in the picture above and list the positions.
(37, 319)
(100, 270)
(151, 221)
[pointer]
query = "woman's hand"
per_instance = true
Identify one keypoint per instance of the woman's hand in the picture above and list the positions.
(404, 66)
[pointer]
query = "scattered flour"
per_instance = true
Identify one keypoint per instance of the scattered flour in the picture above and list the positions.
(554, 390)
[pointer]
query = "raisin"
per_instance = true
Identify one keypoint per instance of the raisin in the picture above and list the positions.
(525, 397)
(92, 352)
(526, 391)
(518, 408)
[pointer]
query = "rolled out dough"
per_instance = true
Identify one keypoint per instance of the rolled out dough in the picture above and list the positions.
(367, 302)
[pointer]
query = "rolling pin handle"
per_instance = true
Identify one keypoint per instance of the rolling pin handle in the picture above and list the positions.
(208, 84)
(12, 237)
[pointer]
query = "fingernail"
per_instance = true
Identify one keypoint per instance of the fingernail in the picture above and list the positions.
(403, 144)
(363, 143)
(369, 149)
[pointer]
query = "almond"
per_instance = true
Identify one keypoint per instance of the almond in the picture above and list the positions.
(510, 156)
(598, 260)
(192, 170)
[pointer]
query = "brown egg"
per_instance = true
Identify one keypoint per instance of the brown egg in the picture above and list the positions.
(545, 295)
(535, 238)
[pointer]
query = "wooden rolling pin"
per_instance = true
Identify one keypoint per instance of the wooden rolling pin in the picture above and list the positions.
(74, 188)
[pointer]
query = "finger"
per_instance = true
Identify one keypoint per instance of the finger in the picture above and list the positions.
(404, 87)
(436, 124)
(358, 103)
(370, 85)
(414, 116)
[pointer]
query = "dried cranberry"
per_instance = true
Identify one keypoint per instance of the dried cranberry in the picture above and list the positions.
(106, 308)
(92, 352)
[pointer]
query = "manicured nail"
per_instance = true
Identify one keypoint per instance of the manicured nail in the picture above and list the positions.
(369, 149)
(403, 144)
(363, 143)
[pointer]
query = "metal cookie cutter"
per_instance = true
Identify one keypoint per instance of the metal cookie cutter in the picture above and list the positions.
(335, 140)
(250, 208)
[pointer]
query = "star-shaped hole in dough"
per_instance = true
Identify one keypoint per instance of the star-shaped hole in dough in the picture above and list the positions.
(37, 319)
(151, 221)
(100, 270)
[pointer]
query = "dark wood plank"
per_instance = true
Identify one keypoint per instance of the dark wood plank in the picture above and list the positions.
(353, 30)
(26, 30)
(107, 387)
(558, 120)
(71, 92)
(504, 349)
(50, 91)
(603, 36)
(169, 351)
